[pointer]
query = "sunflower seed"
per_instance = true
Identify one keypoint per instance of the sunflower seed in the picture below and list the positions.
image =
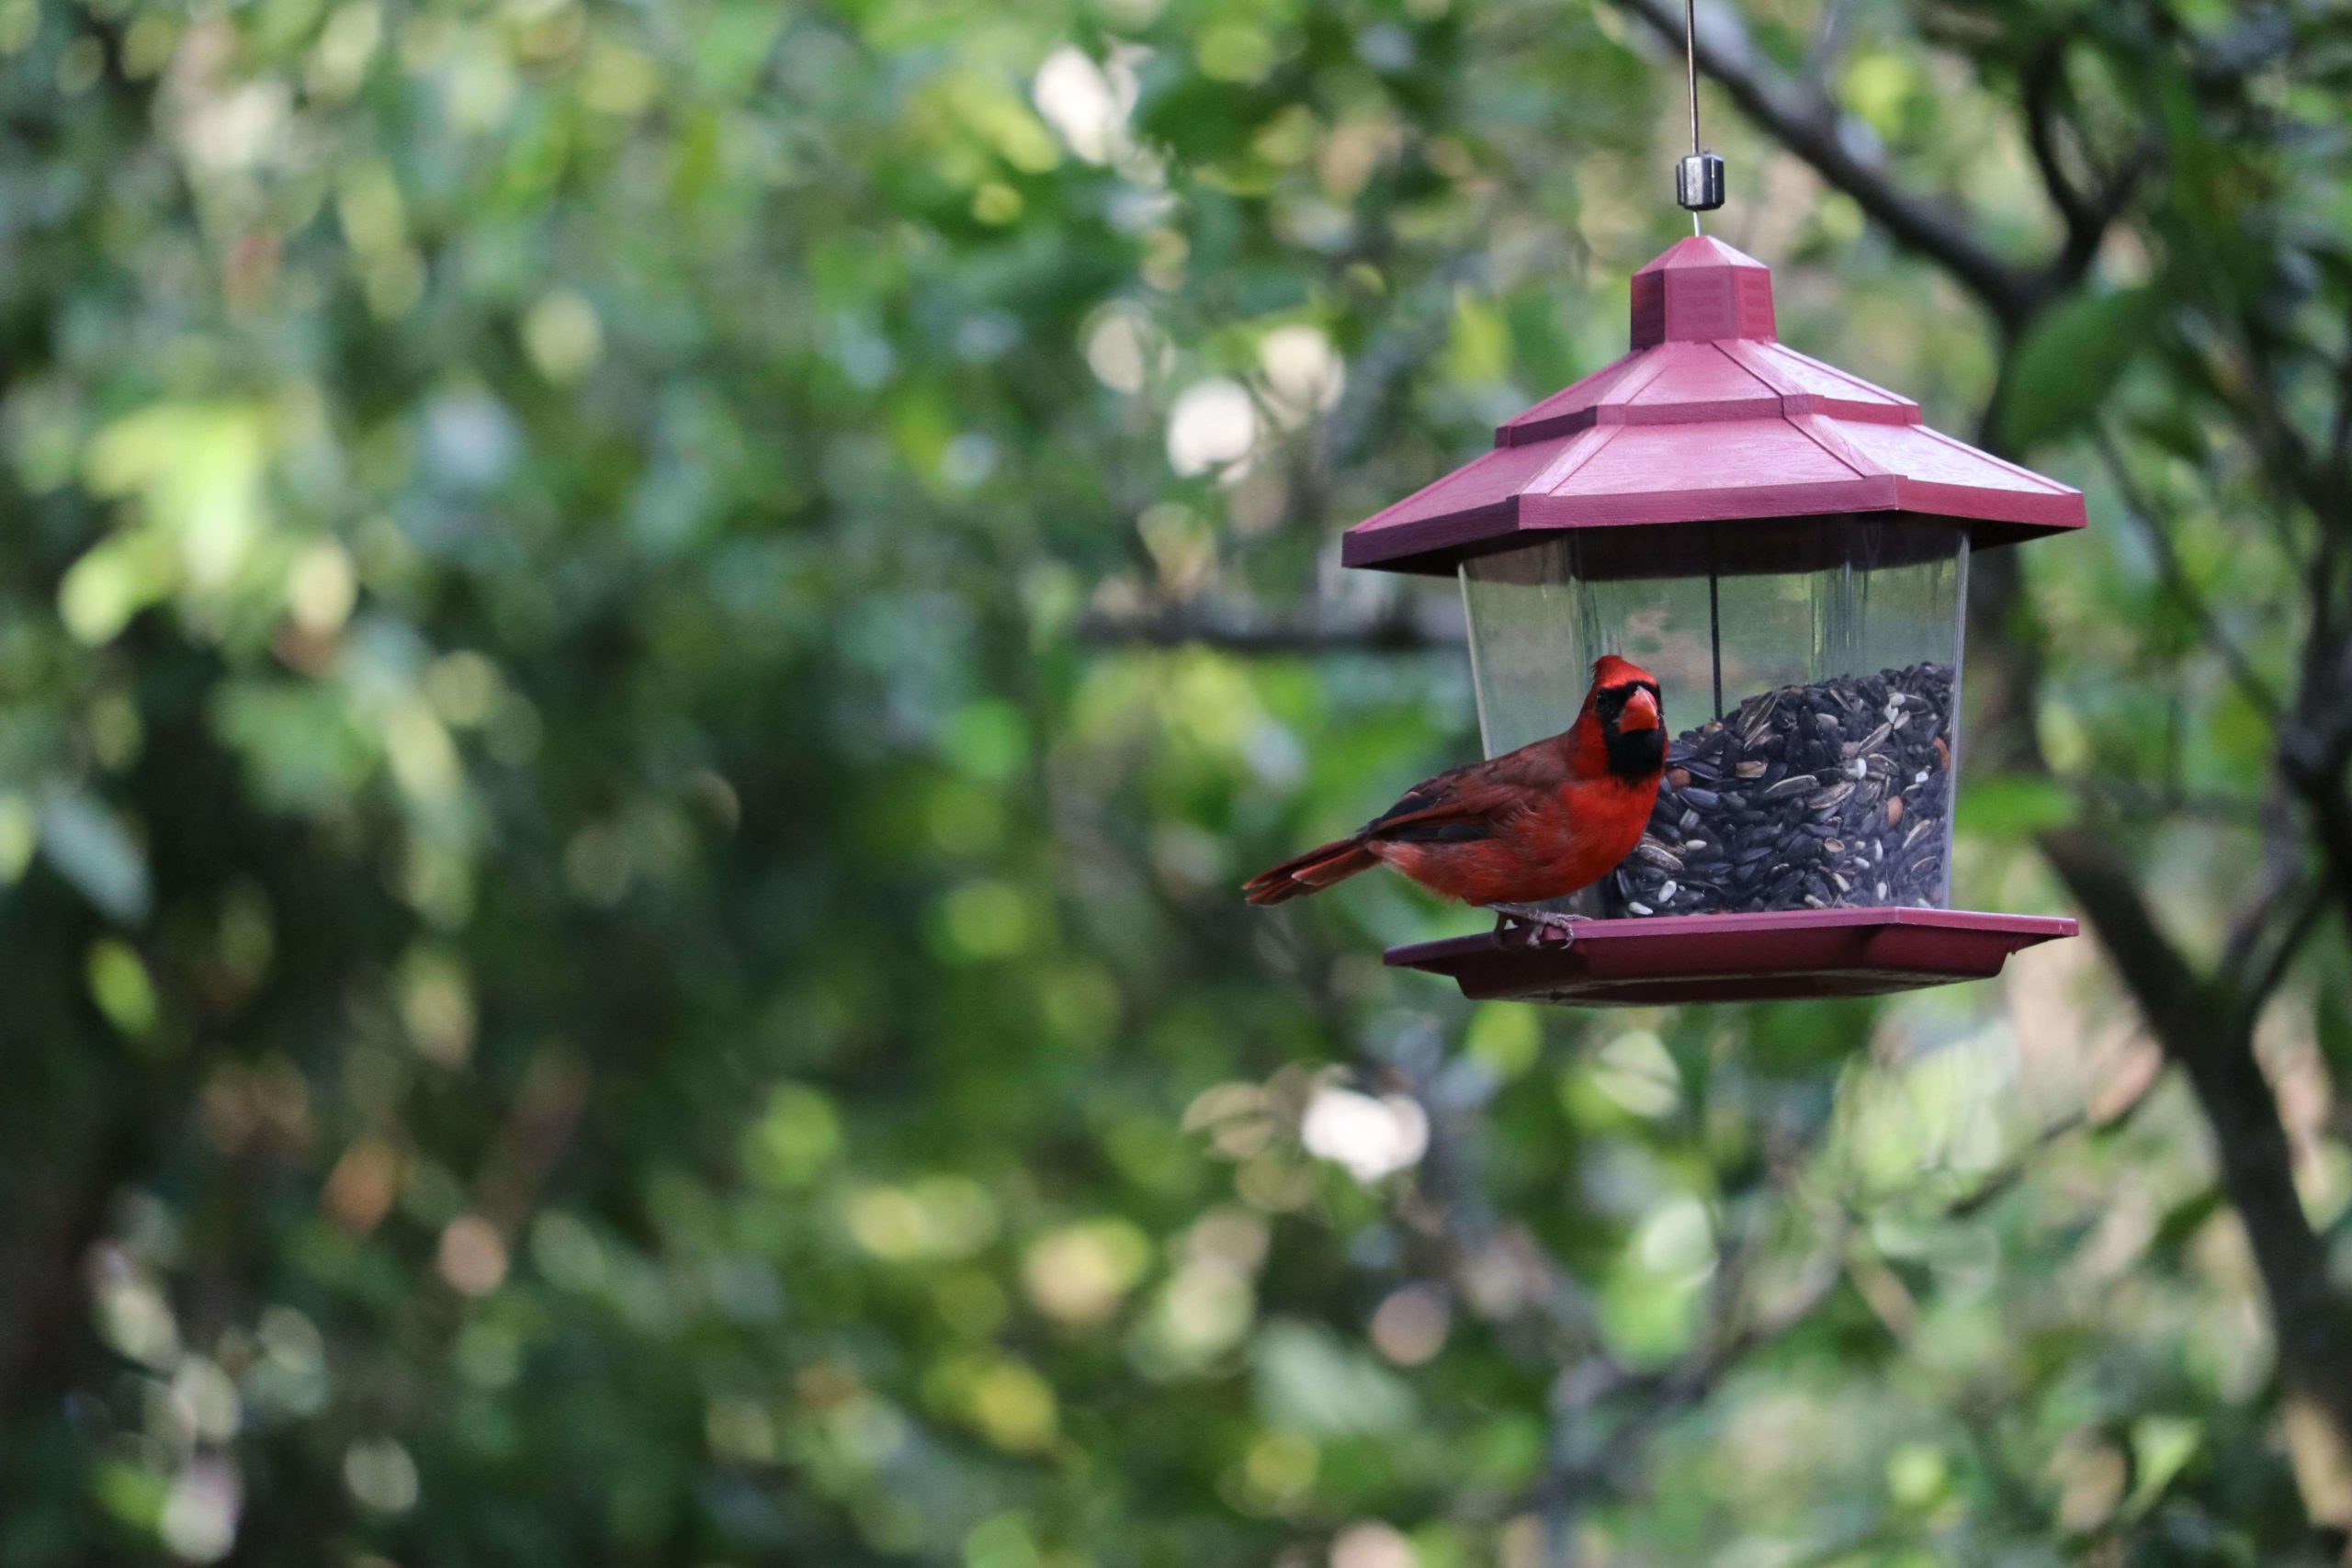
(1814, 819)
(1870, 742)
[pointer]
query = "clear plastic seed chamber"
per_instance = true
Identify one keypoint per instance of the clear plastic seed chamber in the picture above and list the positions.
(1786, 548)
(1811, 680)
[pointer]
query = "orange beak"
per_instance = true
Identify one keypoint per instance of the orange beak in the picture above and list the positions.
(1640, 712)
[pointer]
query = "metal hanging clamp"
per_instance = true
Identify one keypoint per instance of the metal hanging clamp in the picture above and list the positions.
(1698, 182)
(1699, 178)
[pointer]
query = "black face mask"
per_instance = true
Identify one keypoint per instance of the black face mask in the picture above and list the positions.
(1632, 753)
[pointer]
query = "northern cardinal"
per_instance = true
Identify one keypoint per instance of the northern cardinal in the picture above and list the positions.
(1537, 823)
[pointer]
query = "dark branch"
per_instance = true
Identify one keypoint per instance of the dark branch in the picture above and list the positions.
(2310, 905)
(1990, 1189)
(2176, 580)
(2133, 798)
(2088, 213)
(2330, 809)
(2202, 1020)
(2212, 1040)
(1410, 624)
(1737, 1330)
(1808, 125)
(2042, 83)
(2156, 973)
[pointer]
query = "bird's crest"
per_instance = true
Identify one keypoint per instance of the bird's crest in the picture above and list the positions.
(1610, 671)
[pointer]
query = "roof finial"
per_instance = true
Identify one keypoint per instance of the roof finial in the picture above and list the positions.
(1699, 178)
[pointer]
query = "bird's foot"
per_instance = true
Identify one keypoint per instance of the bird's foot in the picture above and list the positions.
(1546, 926)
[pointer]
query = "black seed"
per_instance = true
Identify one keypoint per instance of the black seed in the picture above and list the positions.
(1815, 766)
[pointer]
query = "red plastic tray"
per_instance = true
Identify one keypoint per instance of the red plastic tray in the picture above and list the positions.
(1734, 958)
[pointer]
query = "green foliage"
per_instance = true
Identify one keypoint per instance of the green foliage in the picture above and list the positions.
(604, 965)
(2071, 360)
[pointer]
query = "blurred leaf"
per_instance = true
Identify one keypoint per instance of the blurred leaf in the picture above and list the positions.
(2071, 359)
(118, 983)
(1306, 1380)
(2162, 1447)
(89, 847)
(2014, 807)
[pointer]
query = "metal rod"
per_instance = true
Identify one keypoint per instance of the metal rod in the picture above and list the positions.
(1690, 63)
(1716, 624)
(1691, 70)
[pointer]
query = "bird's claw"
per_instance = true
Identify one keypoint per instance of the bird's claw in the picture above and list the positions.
(1544, 928)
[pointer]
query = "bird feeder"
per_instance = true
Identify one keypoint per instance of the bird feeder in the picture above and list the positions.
(1786, 548)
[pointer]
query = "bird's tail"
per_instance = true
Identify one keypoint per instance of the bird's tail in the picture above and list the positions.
(1310, 873)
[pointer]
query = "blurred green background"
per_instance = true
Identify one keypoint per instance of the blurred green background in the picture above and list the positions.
(643, 643)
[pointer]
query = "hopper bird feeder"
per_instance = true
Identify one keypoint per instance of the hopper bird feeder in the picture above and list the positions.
(1786, 548)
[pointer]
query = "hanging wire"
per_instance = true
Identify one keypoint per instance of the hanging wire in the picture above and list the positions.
(1691, 69)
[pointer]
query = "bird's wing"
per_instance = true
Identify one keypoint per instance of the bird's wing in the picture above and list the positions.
(1457, 806)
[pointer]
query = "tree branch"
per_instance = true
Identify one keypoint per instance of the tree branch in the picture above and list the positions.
(1584, 1463)
(2088, 213)
(1807, 124)
(2040, 84)
(2156, 972)
(2176, 580)
(2212, 1040)
(2295, 930)
(1811, 127)
(1411, 623)
(2204, 1023)
(1996, 1184)
(2330, 809)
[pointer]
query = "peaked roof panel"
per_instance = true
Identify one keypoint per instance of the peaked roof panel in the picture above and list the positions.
(1709, 419)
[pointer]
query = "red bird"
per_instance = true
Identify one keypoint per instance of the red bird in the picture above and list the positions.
(1534, 824)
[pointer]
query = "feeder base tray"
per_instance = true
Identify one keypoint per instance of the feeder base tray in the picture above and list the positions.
(1736, 958)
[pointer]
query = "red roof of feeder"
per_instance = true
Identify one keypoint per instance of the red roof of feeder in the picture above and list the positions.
(1710, 417)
